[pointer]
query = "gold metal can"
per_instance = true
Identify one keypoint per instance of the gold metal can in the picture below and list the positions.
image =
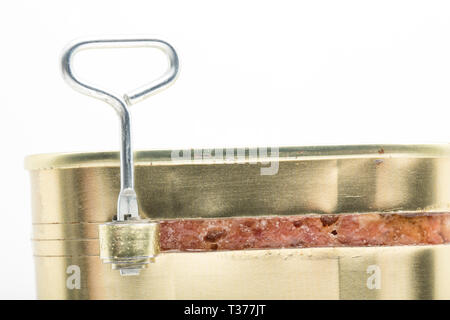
(72, 194)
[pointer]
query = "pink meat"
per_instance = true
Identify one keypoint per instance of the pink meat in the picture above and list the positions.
(305, 231)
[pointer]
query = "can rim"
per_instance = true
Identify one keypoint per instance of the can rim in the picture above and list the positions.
(164, 157)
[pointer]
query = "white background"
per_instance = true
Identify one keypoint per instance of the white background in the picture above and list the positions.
(253, 73)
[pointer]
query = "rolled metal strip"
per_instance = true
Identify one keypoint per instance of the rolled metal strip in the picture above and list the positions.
(129, 245)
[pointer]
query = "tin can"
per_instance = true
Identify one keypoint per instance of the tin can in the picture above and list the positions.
(72, 194)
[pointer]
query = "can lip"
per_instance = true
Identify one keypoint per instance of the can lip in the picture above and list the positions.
(164, 157)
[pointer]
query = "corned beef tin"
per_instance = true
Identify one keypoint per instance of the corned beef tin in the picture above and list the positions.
(341, 222)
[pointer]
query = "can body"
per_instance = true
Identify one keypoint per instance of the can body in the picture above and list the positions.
(74, 193)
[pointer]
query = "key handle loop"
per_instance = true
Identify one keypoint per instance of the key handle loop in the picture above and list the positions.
(127, 203)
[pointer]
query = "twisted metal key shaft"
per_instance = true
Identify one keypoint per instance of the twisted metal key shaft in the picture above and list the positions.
(127, 203)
